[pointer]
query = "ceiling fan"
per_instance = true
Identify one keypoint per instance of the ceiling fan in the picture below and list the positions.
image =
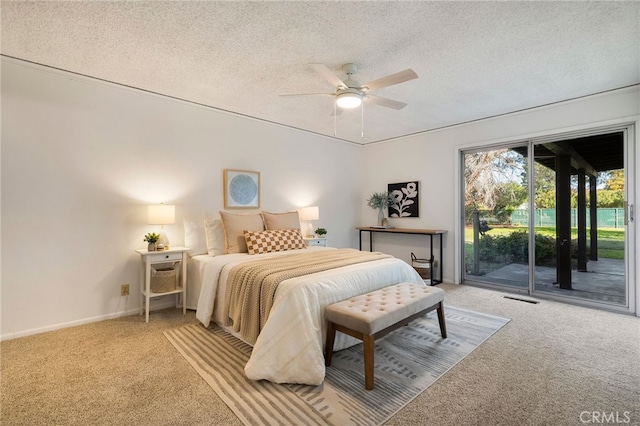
(350, 93)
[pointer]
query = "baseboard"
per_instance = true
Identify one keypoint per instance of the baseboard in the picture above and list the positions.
(133, 311)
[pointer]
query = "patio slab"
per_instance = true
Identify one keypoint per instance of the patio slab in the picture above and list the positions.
(604, 281)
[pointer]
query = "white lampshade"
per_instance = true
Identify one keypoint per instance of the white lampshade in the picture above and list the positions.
(348, 100)
(309, 213)
(162, 214)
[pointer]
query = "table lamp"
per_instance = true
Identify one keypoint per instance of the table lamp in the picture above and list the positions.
(309, 214)
(162, 214)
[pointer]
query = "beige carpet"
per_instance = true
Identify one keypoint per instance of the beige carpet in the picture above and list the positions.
(550, 364)
(407, 361)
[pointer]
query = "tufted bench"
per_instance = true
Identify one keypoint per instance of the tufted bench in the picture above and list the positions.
(372, 315)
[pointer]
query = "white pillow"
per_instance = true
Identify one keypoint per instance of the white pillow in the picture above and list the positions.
(214, 234)
(194, 238)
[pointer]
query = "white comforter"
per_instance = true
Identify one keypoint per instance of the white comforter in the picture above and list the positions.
(289, 348)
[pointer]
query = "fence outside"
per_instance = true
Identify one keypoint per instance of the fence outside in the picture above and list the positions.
(607, 217)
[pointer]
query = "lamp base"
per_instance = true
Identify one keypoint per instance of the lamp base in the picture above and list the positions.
(163, 243)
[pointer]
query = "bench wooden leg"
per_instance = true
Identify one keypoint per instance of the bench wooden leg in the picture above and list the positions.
(443, 326)
(328, 347)
(368, 342)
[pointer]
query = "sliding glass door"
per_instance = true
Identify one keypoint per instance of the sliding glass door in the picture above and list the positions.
(550, 217)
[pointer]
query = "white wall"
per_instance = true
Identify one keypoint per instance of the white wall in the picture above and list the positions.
(431, 158)
(82, 159)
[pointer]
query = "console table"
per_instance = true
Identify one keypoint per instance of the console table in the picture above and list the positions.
(428, 232)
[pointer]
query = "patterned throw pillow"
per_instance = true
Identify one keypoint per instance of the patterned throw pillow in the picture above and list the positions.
(273, 240)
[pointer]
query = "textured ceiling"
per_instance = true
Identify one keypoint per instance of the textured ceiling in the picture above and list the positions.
(474, 59)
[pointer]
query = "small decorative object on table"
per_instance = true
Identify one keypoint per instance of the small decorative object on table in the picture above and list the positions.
(380, 201)
(151, 238)
(321, 232)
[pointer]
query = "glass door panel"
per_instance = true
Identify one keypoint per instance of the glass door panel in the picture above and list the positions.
(495, 239)
(579, 220)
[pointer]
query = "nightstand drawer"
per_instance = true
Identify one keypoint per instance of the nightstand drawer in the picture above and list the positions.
(160, 256)
(321, 242)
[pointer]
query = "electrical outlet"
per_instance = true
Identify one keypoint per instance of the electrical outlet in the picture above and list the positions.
(124, 290)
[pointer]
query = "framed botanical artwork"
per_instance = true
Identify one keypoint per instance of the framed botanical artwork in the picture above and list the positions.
(406, 200)
(241, 189)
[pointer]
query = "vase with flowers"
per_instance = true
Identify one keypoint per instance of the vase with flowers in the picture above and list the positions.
(380, 201)
(151, 238)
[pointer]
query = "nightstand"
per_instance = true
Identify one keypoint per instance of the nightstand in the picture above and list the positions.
(318, 242)
(177, 256)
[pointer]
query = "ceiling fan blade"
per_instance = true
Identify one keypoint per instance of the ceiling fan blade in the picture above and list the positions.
(307, 94)
(399, 77)
(327, 74)
(385, 102)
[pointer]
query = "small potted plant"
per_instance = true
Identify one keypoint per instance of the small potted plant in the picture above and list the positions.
(380, 200)
(151, 238)
(321, 232)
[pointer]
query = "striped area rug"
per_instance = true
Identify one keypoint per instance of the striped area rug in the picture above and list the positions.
(407, 361)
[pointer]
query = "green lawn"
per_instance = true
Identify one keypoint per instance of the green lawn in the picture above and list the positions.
(610, 240)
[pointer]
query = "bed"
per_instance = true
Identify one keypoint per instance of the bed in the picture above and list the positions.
(289, 346)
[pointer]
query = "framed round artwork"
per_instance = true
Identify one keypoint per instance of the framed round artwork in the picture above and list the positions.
(241, 189)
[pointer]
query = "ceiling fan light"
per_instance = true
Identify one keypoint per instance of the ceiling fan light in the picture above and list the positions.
(349, 100)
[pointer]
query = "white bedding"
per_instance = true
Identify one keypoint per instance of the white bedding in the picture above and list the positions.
(289, 347)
